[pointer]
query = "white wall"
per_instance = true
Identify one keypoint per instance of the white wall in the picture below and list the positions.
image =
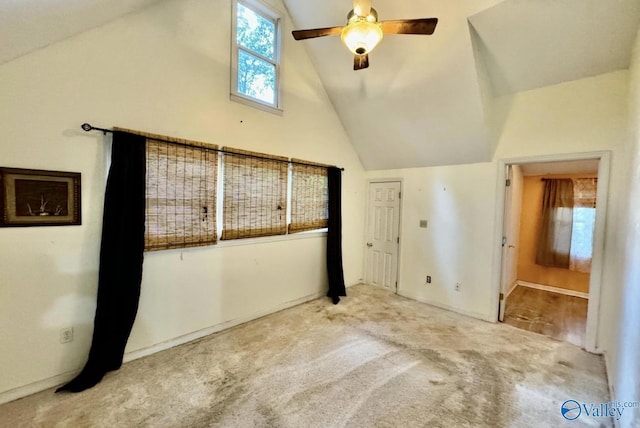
(623, 335)
(457, 244)
(163, 70)
(460, 201)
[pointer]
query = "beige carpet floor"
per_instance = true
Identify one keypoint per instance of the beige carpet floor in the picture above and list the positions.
(374, 360)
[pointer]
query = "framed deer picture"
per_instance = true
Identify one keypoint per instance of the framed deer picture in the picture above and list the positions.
(31, 197)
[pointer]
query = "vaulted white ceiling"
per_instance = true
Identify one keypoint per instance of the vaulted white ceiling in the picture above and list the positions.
(534, 43)
(424, 100)
(26, 25)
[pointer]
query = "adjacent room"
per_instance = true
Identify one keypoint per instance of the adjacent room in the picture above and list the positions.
(545, 292)
(320, 213)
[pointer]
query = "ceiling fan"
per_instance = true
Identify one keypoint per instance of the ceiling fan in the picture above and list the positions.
(363, 31)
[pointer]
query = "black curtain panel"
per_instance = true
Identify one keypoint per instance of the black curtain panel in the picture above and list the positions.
(334, 237)
(121, 256)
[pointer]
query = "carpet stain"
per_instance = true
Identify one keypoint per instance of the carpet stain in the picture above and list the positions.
(374, 360)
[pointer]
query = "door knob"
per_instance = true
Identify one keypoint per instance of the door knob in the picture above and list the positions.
(369, 244)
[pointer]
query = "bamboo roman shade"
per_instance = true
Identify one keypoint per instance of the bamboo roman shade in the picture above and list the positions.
(181, 183)
(309, 196)
(585, 190)
(255, 194)
(182, 189)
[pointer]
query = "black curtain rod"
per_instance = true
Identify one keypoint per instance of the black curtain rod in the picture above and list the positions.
(570, 178)
(87, 127)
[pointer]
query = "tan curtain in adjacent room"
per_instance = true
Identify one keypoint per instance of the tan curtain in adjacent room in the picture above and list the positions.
(554, 243)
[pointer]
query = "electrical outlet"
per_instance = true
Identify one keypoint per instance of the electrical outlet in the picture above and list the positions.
(458, 286)
(428, 279)
(66, 335)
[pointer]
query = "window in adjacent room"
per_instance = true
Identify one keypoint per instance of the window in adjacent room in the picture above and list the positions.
(584, 216)
(255, 55)
(567, 224)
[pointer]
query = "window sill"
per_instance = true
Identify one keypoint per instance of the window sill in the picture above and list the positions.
(322, 233)
(256, 104)
(275, 238)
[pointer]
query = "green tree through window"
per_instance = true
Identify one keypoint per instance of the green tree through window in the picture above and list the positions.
(256, 44)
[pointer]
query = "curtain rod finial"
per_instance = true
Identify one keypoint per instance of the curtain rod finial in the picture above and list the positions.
(87, 127)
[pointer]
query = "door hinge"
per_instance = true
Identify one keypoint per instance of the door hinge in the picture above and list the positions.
(398, 240)
(508, 183)
(501, 296)
(504, 241)
(399, 195)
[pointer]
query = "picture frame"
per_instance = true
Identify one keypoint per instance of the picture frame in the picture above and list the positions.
(33, 197)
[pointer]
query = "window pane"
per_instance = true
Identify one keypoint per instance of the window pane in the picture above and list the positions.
(256, 77)
(582, 238)
(255, 32)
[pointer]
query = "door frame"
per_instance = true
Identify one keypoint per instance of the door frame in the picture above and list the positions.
(597, 258)
(370, 181)
(506, 223)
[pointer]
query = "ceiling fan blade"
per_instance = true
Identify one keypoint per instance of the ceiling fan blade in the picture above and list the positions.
(362, 7)
(316, 32)
(409, 26)
(360, 62)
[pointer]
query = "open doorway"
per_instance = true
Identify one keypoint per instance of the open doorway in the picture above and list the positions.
(558, 299)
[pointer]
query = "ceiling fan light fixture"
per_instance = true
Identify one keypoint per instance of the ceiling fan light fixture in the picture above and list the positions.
(363, 31)
(361, 36)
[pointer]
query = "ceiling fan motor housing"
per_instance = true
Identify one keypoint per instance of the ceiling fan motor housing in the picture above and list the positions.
(361, 34)
(353, 16)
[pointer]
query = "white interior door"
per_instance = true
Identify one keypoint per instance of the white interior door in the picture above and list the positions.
(383, 229)
(506, 253)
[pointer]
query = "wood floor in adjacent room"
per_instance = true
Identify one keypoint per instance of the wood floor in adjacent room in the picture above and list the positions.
(552, 314)
(374, 360)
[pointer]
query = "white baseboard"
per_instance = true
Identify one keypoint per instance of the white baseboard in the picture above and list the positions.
(32, 388)
(41, 385)
(359, 281)
(181, 340)
(446, 307)
(553, 289)
(612, 389)
(511, 288)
